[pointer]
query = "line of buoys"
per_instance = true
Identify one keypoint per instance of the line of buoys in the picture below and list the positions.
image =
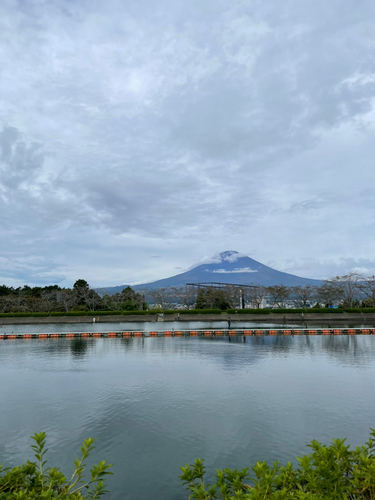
(193, 333)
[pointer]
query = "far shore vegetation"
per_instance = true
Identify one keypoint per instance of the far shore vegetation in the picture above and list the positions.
(349, 293)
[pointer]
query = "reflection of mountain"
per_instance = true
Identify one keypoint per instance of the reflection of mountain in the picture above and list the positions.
(227, 267)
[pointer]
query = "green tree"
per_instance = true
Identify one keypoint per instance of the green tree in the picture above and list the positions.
(81, 284)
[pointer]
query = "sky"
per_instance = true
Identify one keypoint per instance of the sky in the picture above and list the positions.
(140, 138)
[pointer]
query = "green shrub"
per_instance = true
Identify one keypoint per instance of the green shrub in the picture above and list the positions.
(141, 313)
(16, 315)
(104, 313)
(368, 310)
(284, 310)
(57, 314)
(75, 313)
(353, 310)
(33, 481)
(248, 311)
(39, 315)
(331, 472)
(199, 311)
(325, 310)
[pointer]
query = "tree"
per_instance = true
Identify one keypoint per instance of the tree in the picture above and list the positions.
(91, 299)
(69, 299)
(161, 297)
(79, 284)
(348, 285)
(186, 295)
(304, 293)
(279, 294)
(48, 300)
(367, 286)
(232, 297)
(131, 300)
(7, 303)
(80, 289)
(329, 293)
(212, 298)
(256, 295)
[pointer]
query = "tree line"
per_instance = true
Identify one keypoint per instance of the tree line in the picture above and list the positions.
(348, 291)
(81, 297)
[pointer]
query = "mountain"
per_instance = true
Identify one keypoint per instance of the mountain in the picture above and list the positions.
(227, 267)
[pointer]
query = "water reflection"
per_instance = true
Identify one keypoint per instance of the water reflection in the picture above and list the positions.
(78, 347)
(176, 325)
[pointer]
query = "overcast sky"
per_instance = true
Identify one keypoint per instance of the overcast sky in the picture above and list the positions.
(138, 138)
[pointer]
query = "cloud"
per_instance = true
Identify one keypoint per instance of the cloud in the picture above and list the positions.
(135, 129)
(235, 270)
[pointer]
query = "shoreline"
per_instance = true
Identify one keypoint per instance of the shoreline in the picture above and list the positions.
(170, 318)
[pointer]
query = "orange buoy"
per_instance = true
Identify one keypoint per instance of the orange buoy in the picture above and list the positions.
(168, 334)
(310, 332)
(112, 334)
(138, 334)
(86, 334)
(297, 332)
(153, 334)
(194, 333)
(247, 333)
(287, 332)
(126, 334)
(27, 336)
(351, 332)
(68, 335)
(97, 334)
(337, 332)
(365, 332)
(14, 336)
(258, 332)
(272, 332)
(326, 332)
(232, 332)
(178, 334)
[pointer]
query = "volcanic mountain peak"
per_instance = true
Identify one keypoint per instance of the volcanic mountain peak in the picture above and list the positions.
(227, 267)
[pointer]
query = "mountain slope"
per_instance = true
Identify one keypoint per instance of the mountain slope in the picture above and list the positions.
(227, 267)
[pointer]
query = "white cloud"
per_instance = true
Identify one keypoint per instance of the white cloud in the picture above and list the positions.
(236, 270)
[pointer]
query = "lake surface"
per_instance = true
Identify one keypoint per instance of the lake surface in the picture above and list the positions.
(156, 403)
(148, 326)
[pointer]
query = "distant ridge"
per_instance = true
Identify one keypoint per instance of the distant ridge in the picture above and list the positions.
(227, 267)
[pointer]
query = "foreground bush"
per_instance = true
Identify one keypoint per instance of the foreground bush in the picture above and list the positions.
(33, 481)
(329, 472)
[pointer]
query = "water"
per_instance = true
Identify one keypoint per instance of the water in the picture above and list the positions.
(148, 326)
(156, 403)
